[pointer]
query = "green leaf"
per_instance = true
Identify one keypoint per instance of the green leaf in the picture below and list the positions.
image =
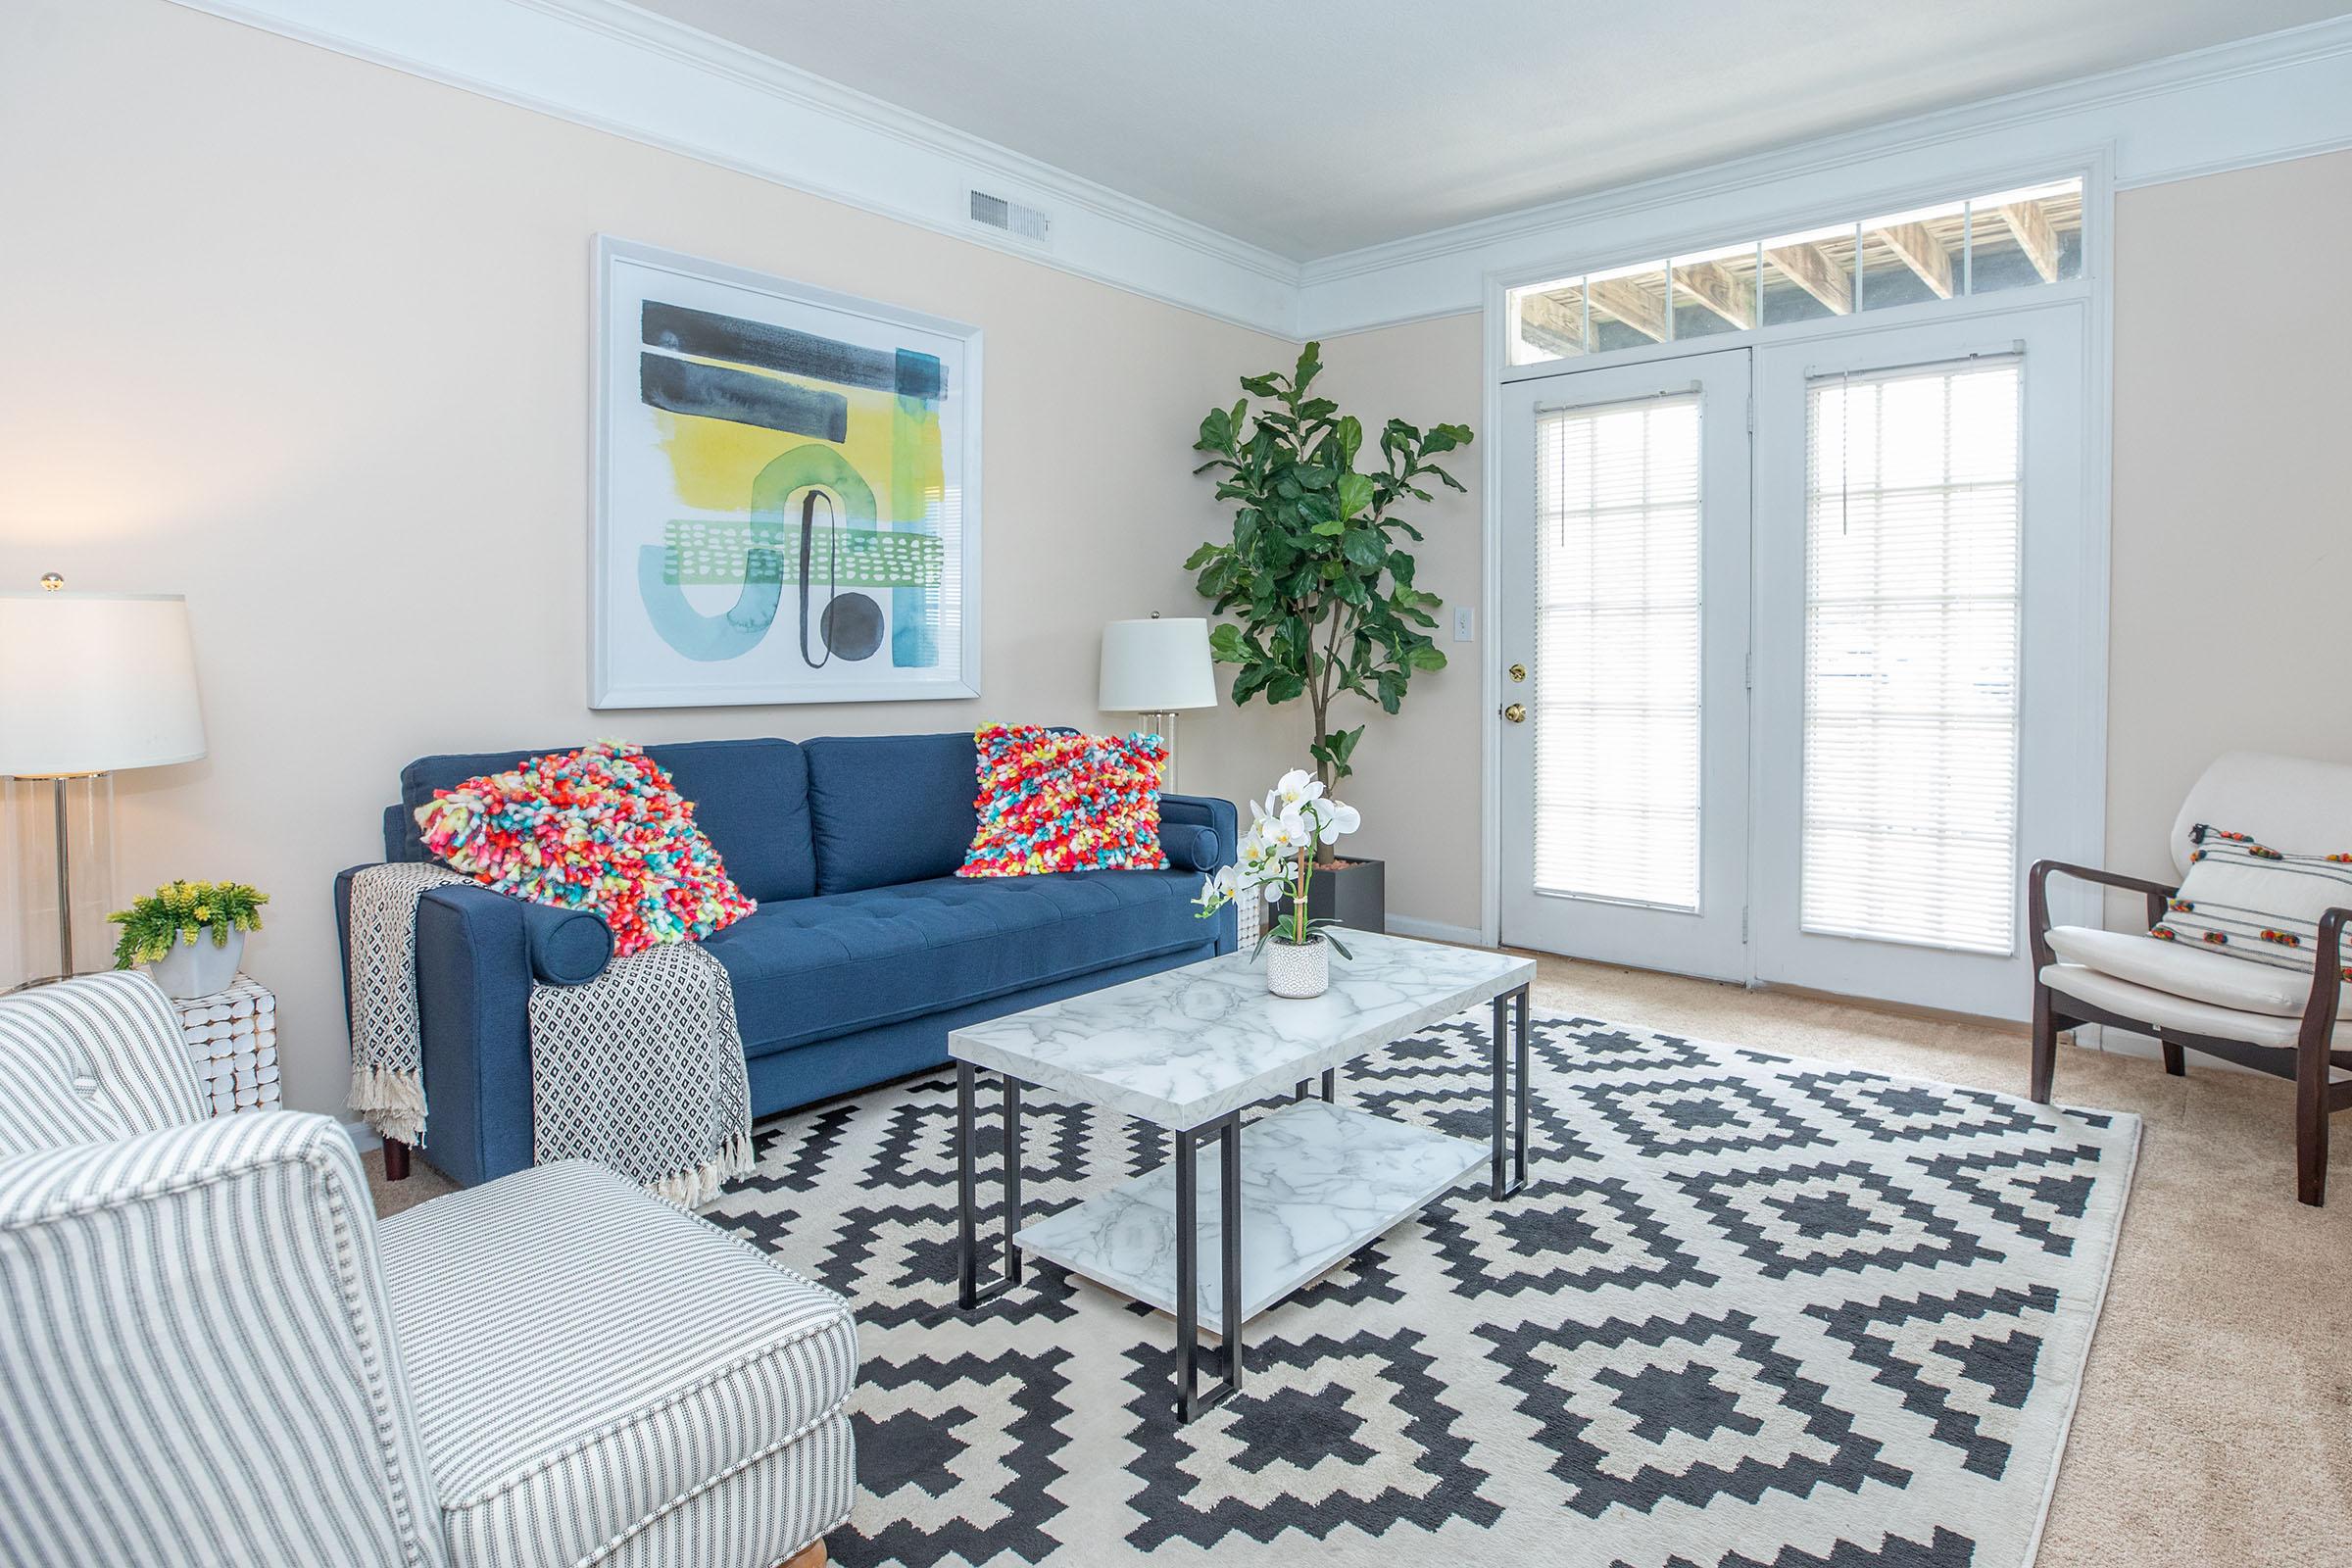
(1225, 643)
(1364, 546)
(1283, 685)
(1202, 557)
(1268, 385)
(1427, 655)
(1309, 366)
(1354, 494)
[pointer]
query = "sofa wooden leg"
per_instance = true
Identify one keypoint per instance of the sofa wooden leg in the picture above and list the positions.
(2045, 1047)
(396, 1160)
(2175, 1060)
(813, 1555)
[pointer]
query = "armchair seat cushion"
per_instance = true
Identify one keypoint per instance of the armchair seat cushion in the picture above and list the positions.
(815, 969)
(2189, 971)
(585, 1360)
(2164, 1010)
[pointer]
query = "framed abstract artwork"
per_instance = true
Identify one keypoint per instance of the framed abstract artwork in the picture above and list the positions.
(786, 490)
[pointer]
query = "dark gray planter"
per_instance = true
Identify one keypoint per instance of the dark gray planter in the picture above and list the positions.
(1355, 894)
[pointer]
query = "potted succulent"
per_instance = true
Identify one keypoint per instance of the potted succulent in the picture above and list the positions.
(1278, 856)
(190, 935)
(1317, 579)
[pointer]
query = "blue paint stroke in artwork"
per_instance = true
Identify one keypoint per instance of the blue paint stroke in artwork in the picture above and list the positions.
(915, 452)
(730, 634)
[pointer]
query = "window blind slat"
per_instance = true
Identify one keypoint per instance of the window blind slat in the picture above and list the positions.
(1617, 652)
(1912, 559)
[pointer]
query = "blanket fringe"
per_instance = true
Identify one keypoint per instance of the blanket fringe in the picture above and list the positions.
(389, 1100)
(692, 1188)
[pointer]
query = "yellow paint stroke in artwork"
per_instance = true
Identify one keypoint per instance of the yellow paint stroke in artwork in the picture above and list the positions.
(714, 462)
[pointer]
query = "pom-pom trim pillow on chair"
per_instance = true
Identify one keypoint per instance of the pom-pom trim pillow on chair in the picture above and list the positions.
(1051, 801)
(602, 829)
(2251, 901)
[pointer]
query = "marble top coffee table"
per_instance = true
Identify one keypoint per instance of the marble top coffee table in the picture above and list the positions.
(1191, 1050)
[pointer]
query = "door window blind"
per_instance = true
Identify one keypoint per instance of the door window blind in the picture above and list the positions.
(1617, 652)
(1913, 532)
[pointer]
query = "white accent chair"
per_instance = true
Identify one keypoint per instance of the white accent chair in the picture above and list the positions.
(2191, 1000)
(212, 1353)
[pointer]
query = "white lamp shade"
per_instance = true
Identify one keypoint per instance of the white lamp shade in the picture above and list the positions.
(1155, 666)
(90, 683)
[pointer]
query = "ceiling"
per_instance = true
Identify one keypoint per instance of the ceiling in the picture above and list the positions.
(1316, 127)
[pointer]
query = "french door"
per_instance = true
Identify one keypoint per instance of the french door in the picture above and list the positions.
(1625, 615)
(1809, 676)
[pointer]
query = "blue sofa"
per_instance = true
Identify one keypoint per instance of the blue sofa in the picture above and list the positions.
(865, 951)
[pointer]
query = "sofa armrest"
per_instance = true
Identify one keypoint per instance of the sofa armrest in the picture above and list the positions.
(200, 1340)
(1218, 817)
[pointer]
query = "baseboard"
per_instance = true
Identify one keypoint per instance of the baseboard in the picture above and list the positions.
(1405, 925)
(362, 1135)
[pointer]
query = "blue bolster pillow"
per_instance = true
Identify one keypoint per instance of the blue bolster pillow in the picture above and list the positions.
(568, 947)
(1189, 846)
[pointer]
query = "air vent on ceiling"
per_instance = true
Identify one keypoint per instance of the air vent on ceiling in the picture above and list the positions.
(1010, 217)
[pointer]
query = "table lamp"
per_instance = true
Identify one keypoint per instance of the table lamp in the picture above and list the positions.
(1153, 667)
(92, 684)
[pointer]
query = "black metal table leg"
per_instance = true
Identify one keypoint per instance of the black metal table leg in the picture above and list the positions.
(1331, 1085)
(969, 1292)
(1509, 1167)
(1300, 1092)
(1519, 1110)
(1188, 1275)
(1191, 1402)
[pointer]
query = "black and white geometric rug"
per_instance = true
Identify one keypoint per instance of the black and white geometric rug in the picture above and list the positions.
(1748, 1312)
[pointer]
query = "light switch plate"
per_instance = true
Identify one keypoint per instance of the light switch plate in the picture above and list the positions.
(1464, 623)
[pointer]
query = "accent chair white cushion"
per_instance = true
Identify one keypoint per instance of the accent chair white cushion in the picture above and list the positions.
(2191, 972)
(603, 1379)
(2164, 1009)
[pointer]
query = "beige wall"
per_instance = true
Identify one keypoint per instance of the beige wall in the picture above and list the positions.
(305, 339)
(2233, 486)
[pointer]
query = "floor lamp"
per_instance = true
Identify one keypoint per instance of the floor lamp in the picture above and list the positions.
(90, 684)
(1153, 667)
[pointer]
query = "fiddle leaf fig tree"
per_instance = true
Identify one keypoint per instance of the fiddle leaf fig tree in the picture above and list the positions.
(1319, 585)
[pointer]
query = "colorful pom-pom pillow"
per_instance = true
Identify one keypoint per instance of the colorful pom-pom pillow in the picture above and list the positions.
(1050, 801)
(2249, 901)
(602, 828)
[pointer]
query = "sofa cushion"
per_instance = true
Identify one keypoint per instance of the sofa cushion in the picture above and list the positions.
(2189, 971)
(584, 1359)
(1051, 800)
(751, 798)
(819, 967)
(890, 808)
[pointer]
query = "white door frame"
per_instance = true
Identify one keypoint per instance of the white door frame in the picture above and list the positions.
(1679, 229)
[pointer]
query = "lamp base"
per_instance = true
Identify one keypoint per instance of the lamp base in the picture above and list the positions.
(1163, 726)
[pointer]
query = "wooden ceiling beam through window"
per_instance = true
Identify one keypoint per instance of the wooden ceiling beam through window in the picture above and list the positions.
(1730, 294)
(1921, 251)
(1810, 268)
(1631, 304)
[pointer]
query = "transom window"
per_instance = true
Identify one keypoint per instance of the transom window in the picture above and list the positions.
(2007, 240)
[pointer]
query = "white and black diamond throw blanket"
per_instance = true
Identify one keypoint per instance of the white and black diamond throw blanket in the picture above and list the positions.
(1748, 1312)
(640, 1068)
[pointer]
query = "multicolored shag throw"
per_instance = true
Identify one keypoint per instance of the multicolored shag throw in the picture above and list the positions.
(640, 1068)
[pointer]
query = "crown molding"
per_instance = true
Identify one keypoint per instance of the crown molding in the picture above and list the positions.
(615, 68)
(2259, 99)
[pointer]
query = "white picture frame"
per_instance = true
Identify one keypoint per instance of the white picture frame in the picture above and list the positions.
(785, 491)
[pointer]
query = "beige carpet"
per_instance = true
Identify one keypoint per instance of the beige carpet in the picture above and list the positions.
(2216, 1422)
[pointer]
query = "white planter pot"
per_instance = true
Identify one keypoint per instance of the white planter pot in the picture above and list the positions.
(1298, 968)
(201, 969)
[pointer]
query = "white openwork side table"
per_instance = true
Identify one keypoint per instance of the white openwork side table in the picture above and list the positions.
(232, 1044)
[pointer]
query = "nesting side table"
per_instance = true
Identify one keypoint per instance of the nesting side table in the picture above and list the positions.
(232, 1044)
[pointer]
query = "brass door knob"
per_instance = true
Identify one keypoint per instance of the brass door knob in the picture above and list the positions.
(1516, 712)
(1517, 672)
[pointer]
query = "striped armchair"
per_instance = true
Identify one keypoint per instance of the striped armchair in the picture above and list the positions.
(212, 1353)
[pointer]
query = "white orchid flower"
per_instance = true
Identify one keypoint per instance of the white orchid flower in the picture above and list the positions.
(1339, 818)
(1295, 789)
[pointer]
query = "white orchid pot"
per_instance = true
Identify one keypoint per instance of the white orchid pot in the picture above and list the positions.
(199, 968)
(1298, 969)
